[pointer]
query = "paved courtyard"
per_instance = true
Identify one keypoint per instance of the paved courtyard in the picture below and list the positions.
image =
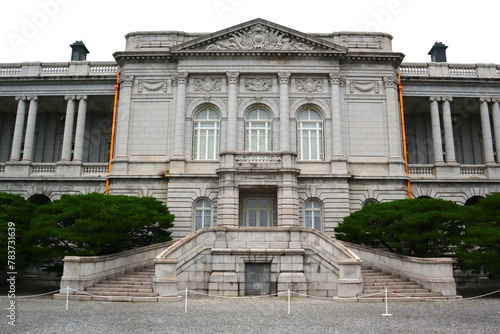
(258, 315)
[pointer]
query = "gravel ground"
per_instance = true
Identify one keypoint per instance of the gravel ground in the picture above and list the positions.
(256, 315)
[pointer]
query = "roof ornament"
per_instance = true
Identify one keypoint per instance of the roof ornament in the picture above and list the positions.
(259, 37)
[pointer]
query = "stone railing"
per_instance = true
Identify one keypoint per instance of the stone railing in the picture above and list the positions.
(95, 168)
(435, 274)
(81, 272)
(449, 70)
(74, 68)
(472, 170)
(43, 168)
(263, 160)
(421, 169)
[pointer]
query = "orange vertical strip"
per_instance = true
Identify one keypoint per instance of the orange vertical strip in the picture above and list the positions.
(403, 131)
(113, 128)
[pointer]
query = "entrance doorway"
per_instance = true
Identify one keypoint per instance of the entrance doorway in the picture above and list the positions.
(257, 279)
(257, 209)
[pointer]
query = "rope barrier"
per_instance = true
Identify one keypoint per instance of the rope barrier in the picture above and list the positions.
(277, 294)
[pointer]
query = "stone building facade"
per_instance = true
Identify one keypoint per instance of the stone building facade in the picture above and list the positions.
(254, 127)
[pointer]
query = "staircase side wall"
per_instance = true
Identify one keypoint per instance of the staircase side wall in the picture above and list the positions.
(81, 272)
(435, 274)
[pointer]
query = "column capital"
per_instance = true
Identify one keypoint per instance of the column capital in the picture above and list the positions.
(21, 98)
(335, 79)
(32, 98)
(485, 99)
(284, 77)
(434, 98)
(390, 81)
(182, 78)
(70, 97)
(82, 97)
(447, 98)
(232, 77)
(126, 80)
(495, 99)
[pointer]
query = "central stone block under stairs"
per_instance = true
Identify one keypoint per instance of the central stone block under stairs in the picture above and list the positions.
(131, 286)
(375, 281)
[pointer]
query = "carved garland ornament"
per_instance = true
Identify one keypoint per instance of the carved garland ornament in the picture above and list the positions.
(258, 37)
(364, 86)
(309, 85)
(207, 85)
(258, 85)
(152, 85)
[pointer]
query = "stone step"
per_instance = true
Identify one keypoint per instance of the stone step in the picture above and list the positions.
(136, 275)
(371, 291)
(385, 279)
(126, 286)
(411, 286)
(402, 295)
(117, 293)
(117, 289)
(125, 282)
(128, 278)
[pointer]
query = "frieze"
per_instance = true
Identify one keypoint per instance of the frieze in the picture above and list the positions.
(309, 85)
(207, 85)
(258, 37)
(258, 85)
(152, 85)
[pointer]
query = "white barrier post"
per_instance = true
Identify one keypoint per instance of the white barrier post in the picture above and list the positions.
(386, 305)
(288, 301)
(67, 297)
(186, 301)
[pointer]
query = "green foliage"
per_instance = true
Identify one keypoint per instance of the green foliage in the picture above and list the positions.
(15, 216)
(480, 249)
(416, 227)
(97, 224)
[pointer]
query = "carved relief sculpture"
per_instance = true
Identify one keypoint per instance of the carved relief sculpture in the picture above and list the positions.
(364, 86)
(152, 85)
(258, 85)
(258, 37)
(309, 85)
(207, 85)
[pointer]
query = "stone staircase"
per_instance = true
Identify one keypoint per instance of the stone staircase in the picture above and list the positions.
(375, 281)
(131, 286)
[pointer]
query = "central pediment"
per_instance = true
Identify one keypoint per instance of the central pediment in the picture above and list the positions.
(258, 36)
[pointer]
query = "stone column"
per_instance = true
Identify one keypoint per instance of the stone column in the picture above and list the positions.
(436, 130)
(180, 114)
(123, 121)
(80, 128)
(448, 131)
(496, 125)
(396, 161)
(489, 157)
(284, 79)
(232, 110)
(337, 148)
(29, 139)
(68, 128)
(18, 129)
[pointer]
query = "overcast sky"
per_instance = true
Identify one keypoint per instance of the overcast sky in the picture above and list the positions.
(42, 30)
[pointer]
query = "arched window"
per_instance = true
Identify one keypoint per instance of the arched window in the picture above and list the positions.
(312, 214)
(310, 135)
(258, 131)
(202, 214)
(369, 201)
(206, 135)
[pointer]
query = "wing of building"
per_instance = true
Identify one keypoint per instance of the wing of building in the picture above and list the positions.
(257, 127)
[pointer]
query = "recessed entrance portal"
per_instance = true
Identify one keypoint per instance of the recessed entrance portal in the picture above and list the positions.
(257, 279)
(258, 208)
